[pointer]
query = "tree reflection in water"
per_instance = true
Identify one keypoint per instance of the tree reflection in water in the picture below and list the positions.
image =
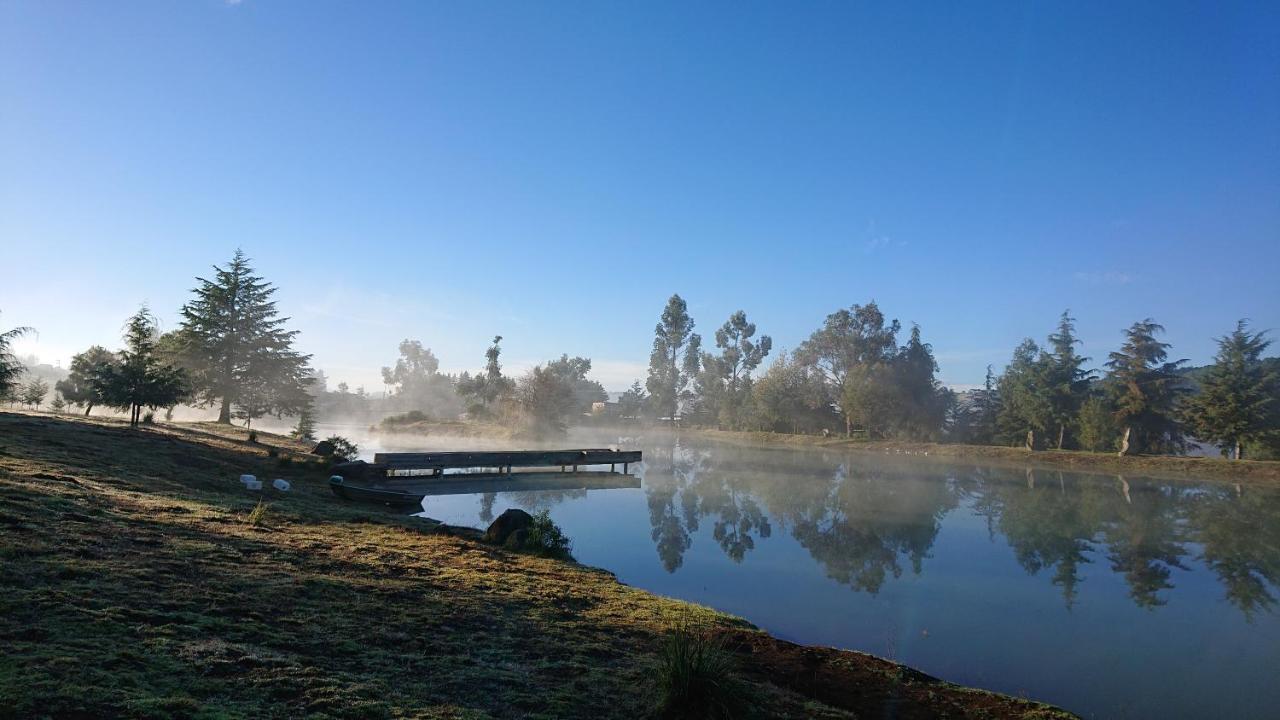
(867, 519)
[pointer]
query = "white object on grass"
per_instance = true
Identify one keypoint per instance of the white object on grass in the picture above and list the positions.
(246, 479)
(253, 484)
(280, 484)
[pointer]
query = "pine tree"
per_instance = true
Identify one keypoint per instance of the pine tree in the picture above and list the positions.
(33, 392)
(236, 348)
(489, 388)
(1239, 399)
(1145, 391)
(10, 368)
(674, 361)
(1025, 409)
(141, 379)
(306, 428)
(1067, 382)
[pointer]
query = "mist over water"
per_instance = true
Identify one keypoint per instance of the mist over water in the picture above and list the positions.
(1113, 597)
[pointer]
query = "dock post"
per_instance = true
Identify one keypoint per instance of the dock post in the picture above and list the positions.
(624, 468)
(611, 468)
(575, 468)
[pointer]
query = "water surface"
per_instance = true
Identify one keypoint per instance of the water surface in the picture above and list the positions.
(1115, 597)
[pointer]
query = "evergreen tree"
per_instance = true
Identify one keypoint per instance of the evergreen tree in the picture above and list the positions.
(1145, 390)
(1025, 409)
(10, 368)
(140, 379)
(631, 403)
(1239, 398)
(674, 361)
(236, 348)
(723, 386)
(1097, 425)
(33, 392)
(922, 402)
(850, 341)
(57, 404)
(78, 387)
(1067, 382)
(306, 428)
(986, 408)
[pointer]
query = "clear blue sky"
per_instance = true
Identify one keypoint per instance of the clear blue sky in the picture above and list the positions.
(552, 171)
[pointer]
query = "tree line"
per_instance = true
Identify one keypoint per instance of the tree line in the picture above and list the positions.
(855, 374)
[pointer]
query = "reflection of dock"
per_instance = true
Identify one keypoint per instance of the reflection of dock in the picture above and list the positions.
(412, 490)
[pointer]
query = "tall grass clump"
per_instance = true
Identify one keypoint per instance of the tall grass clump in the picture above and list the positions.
(258, 515)
(696, 677)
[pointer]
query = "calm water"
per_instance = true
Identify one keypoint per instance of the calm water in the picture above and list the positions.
(1113, 597)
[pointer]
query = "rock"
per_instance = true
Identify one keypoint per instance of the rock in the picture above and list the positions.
(324, 447)
(506, 523)
(517, 540)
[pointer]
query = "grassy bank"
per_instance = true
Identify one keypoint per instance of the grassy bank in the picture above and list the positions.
(1262, 471)
(140, 579)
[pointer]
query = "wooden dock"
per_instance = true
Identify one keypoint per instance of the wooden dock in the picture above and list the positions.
(501, 462)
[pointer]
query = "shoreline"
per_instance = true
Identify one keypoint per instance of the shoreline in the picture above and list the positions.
(192, 605)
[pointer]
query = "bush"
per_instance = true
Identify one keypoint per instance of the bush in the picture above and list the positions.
(696, 677)
(258, 516)
(408, 418)
(547, 539)
(343, 449)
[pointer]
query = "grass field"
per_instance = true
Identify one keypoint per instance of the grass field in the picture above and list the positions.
(140, 579)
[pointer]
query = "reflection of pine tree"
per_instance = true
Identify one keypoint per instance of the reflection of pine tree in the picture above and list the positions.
(1144, 541)
(486, 507)
(1241, 544)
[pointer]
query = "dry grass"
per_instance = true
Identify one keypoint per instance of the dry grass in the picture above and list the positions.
(131, 586)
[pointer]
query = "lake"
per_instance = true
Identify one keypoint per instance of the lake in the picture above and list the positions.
(1114, 597)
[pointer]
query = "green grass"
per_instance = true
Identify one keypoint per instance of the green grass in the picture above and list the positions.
(134, 583)
(697, 677)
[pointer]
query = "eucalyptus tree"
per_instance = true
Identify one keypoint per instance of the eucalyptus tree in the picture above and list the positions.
(418, 384)
(724, 385)
(1145, 392)
(234, 344)
(488, 388)
(1239, 398)
(850, 342)
(674, 361)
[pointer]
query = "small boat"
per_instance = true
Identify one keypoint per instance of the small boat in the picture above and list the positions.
(394, 498)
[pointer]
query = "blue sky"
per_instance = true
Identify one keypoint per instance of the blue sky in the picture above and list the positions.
(552, 171)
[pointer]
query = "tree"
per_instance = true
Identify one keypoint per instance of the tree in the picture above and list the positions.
(1066, 380)
(32, 392)
(236, 348)
(790, 397)
(57, 404)
(986, 408)
(631, 402)
(1145, 390)
(140, 379)
(306, 428)
(673, 363)
(1097, 425)
(488, 388)
(10, 368)
(1024, 400)
(418, 384)
(724, 385)
(849, 341)
(574, 372)
(546, 400)
(922, 402)
(1237, 402)
(78, 387)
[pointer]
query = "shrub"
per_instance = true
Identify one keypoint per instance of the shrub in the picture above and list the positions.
(258, 515)
(343, 449)
(696, 677)
(149, 418)
(408, 418)
(547, 539)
